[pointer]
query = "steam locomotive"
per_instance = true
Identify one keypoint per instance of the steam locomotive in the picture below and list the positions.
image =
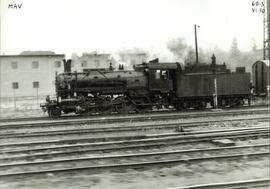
(150, 85)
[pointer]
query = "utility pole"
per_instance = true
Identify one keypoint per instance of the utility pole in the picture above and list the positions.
(0, 58)
(264, 38)
(196, 44)
(268, 28)
(215, 95)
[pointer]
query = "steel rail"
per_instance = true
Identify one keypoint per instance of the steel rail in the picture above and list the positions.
(132, 144)
(130, 128)
(230, 185)
(134, 165)
(143, 118)
(137, 155)
(66, 117)
(58, 151)
(89, 148)
(143, 137)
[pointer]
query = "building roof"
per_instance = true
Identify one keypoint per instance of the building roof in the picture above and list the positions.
(266, 62)
(36, 52)
(32, 55)
(94, 54)
(133, 54)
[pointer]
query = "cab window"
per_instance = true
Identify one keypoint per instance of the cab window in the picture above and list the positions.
(157, 74)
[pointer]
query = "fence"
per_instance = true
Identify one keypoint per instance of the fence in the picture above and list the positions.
(21, 106)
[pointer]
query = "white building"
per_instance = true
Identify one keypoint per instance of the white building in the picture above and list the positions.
(90, 61)
(130, 59)
(29, 74)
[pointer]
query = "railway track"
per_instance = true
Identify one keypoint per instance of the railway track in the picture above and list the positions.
(91, 149)
(131, 118)
(112, 130)
(194, 152)
(116, 162)
(48, 149)
(42, 149)
(66, 117)
(257, 183)
(145, 137)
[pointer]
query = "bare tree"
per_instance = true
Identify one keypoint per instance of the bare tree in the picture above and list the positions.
(234, 52)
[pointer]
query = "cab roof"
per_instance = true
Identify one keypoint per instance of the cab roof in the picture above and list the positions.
(164, 66)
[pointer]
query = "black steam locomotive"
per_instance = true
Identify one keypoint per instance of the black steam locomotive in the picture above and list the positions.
(150, 85)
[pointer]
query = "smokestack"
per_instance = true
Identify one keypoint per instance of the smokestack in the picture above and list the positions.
(67, 65)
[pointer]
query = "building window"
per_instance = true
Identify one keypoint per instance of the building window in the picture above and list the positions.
(57, 64)
(35, 84)
(133, 62)
(15, 85)
(84, 63)
(97, 63)
(35, 64)
(14, 65)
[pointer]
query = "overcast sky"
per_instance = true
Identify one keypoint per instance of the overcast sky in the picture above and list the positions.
(67, 26)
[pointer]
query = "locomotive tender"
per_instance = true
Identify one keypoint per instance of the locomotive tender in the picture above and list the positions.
(150, 85)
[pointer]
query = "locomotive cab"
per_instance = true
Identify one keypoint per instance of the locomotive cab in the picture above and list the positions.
(162, 76)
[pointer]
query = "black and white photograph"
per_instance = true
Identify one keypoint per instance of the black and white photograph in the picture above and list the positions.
(134, 94)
